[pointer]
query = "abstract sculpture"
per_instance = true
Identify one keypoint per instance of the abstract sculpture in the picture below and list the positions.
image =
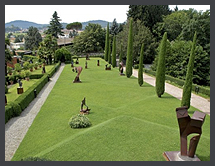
(187, 126)
(78, 70)
(84, 111)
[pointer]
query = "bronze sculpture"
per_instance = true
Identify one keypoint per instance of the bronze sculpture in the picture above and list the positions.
(78, 70)
(84, 111)
(187, 126)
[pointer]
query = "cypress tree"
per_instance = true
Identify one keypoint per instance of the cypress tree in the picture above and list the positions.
(109, 52)
(189, 76)
(140, 71)
(160, 73)
(107, 43)
(129, 51)
(120, 56)
(114, 52)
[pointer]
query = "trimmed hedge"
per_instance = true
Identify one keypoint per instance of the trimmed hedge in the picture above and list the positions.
(203, 90)
(35, 76)
(15, 108)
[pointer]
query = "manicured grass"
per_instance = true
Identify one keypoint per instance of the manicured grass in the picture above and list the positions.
(12, 91)
(129, 122)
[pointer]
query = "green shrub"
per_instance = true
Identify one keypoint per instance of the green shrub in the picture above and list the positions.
(16, 108)
(79, 121)
(6, 89)
(26, 65)
(18, 67)
(35, 76)
(129, 60)
(8, 112)
(136, 66)
(28, 57)
(34, 159)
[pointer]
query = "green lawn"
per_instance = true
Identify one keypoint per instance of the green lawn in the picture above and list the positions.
(129, 122)
(12, 91)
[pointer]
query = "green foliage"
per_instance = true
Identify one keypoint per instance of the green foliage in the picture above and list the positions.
(62, 54)
(12, 109)
(29, 57)
(26, 65)
(140, 71)
(160, 73)
(32, 39)
(92, 39)
(189, 76)
(74, 25)
(79, 121)
(115, 28)
(6, 89)
(148, 14)
(55, 27)
(114, 52)
(109, 51)
(129, 61)
(34, 159)
(9, 69)
(107, 43)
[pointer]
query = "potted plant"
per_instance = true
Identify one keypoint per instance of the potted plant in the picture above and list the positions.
(40, 64)
(9, 70)
(18, 68)
(27, 75)
(36, 65)
(31, 67)
(11, 79)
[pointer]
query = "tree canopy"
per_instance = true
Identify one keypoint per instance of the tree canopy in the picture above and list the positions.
(74, 25)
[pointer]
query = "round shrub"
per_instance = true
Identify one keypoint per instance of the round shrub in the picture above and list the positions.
(34, 159)
(79, 121)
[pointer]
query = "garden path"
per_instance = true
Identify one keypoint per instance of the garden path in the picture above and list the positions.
(196, 101)
(17, 127)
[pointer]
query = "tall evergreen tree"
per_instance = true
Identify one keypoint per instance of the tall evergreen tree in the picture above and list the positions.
(140, 71)
(55, 26)
(160, 73)
(129, 60)
(33, 38)
(107, 43)
(189, 76)
(120, 56)
(109, 51)
(114, 52)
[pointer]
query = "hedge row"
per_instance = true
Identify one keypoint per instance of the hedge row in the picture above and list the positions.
(180, 82)
(15, 108)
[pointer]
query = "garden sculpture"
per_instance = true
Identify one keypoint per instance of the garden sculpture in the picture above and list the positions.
(72, 63)
(121, 69)
(84, 111)
(187, 126)
(85, 65)
(78, 70)
(20, 83)
(77, 62)
(44, 69)
(98, 63)
(87, 57)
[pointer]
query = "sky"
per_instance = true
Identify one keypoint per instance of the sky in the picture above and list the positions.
(76, 13)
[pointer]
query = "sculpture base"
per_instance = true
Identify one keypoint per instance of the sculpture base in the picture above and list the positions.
(107, 68)
(87, 111)
(19, 90)
(176, 156)
(122, 74)
(77, 80)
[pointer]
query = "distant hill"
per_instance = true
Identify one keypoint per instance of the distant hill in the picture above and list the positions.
(26, 24)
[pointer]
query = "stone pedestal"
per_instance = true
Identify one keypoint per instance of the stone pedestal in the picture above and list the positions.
(176, 156)
(19, 90)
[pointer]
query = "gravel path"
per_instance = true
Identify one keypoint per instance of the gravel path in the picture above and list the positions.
(196, 101)
(17, 127)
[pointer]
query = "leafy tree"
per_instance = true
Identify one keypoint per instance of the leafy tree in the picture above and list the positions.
(55, 26)
(129, 60)
(148, 14)
(160, 73)
(107, 43)
(33, 38)
(140, 71)
(62, 54)
(8, 56)
(141, 34)
(19, 38)
(90, 40)
(114, 52)
(74, 25)
(73, 33)
(189, 76)
(48, 47)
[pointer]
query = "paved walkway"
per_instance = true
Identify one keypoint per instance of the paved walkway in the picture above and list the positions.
(17, 127)
(196, 101)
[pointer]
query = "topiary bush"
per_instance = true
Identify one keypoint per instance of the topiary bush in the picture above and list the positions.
(79, 121)
(34, 159)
